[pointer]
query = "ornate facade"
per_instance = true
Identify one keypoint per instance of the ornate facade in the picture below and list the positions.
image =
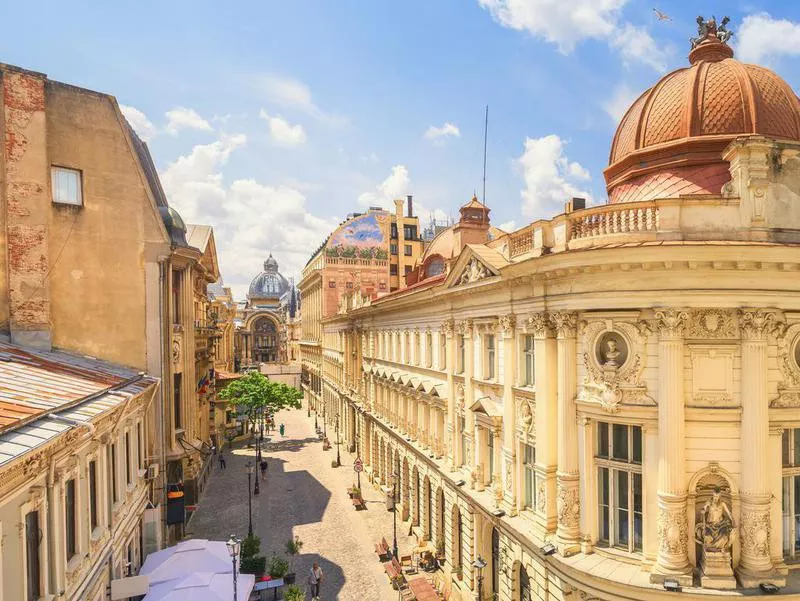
(620, 382)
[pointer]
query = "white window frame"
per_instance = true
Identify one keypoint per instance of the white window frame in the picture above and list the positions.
(55, 171)
(529, 469)
(790, 520)
(613, 466)
(489, 357)
(524, 355)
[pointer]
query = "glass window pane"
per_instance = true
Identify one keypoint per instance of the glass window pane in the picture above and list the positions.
(602, 486)
(637, 511)
(785, 454)
(637, 443)
(621, 489)
(620, 442)
(602, 439)
(797, 514)
(796, 446)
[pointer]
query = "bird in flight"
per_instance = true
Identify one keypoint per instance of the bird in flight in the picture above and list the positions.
(661, 16)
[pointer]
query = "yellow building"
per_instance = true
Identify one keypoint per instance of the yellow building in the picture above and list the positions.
(604, 404)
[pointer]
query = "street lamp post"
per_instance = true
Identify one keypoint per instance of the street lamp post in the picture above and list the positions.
(395, 478)
(249, 500)
(479, 564)
(338, 458)
(324, 422)
(234, 545)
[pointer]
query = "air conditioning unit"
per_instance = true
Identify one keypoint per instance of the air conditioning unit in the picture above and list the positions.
(152, 471)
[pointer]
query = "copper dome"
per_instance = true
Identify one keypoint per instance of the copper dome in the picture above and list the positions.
(670, 140)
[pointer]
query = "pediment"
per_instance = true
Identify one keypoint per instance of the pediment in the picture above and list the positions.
(475, 263)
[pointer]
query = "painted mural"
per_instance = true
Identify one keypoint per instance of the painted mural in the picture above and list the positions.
(363, 237)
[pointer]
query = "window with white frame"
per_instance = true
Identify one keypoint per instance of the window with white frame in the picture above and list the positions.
(528, 365)
(528, 465)
(33, 566)
(460, 354)
(489, 355)
(619, 485)
(442, 350)
(428, 350)
(790, 443)
(66, 186)
(407, 348)
(70, 519)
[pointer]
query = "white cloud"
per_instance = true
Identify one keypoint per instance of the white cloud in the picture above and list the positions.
(762, 37)
(441, 133)
(619, 102)
(397, 186)
(196, 186)
(550, 177)
(282, 132)
(636, 45)
(293, 94)
(370, 158)
(181, 118)
(139, 122)
(565, 23)
(508, 226)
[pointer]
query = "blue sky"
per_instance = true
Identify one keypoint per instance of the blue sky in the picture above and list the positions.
(273, 120)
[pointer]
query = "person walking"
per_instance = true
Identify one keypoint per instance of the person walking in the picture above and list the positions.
(263, 469)
(221, 461)
(315, 579)
(283, 429)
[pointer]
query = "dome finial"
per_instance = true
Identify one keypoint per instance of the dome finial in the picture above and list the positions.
(711, 43)
(270, 265)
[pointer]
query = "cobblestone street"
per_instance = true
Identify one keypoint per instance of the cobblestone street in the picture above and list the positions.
(304, 496)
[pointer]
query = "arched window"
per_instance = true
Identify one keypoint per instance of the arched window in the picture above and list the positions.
(434, 267)
(524, 585)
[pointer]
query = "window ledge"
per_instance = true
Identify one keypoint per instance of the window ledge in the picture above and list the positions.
(634, 558)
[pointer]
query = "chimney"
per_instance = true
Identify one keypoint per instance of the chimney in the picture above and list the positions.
(27, 208)
(575, 204)
(410, 205)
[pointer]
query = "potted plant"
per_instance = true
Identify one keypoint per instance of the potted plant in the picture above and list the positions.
(293, 546)
(354, 491)
(294, 593)
(440, 550)
(252, 562)
(278, 566)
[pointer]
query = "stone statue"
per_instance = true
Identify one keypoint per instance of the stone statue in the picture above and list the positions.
(527, 416)
(722, 31)
(710, 28)
(611, 354)
(715, 531)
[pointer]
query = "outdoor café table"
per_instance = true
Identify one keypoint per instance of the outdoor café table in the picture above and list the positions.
(264, 585)
(423, 590)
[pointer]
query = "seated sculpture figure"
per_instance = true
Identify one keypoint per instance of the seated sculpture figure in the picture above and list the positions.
(715, 531)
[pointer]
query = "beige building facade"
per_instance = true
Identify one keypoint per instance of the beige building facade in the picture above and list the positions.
(607, 402)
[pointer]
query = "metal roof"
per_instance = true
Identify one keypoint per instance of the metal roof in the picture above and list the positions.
(37, 388)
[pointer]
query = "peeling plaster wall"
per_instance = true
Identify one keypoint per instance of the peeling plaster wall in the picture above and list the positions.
(25, 266)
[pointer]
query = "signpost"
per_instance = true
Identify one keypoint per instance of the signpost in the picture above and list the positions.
(358, 467)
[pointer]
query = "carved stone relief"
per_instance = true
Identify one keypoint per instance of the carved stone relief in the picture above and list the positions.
(712, 375)
(541, 495)
(788, 342)
(755, 532)
(525, 412)
(713, 324)
(176, 351)
(569, 508)
(672, 531)
(473, 272)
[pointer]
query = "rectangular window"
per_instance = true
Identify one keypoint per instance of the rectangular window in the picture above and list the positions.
(428, 349)
(407, 250)
(529, 367)
(529, 461)
(93, 495)
(392, 269)
(393, 249)
(489, 357)
(176, 297)
(69, 518)
(619, 485)
(394, 231)
(114, 491)
(139, 443)
(128, 458)
(790, 443)
(461, 345)
(66, 186)
(176, 400)
(442, 350)
(410, 232)
(33, 565)
(407, 269)
(490, 451)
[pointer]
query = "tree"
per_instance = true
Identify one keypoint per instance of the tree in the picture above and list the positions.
(255, 392)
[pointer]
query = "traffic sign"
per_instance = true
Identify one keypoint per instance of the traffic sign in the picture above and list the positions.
(358, 466)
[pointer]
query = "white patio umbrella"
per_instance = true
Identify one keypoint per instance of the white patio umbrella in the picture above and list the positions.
(187, 557)
(203, 586)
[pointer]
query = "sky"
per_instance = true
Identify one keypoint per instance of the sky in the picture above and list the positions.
(272, 121)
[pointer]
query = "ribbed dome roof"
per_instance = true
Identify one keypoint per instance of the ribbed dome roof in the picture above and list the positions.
(692, 114)
(269, 283)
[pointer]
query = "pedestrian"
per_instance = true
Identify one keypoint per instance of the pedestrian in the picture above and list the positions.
(263, 469)
(283, 429)
(315, 579)
(221, 460)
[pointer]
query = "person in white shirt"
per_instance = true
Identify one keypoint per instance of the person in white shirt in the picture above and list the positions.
(315, 579)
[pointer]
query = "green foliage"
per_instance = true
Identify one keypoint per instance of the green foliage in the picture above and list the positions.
(256, 392)
(256, 564)
(293, 546)
(250, 546)
(294, 593)
(381, 254)
(278, 566)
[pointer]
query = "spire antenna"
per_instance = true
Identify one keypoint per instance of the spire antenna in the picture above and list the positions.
(485, 135)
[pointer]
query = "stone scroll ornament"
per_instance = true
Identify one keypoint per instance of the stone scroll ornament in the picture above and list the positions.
(569, 508)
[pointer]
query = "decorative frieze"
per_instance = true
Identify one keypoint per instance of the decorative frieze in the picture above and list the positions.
(713, 324)
(755, 530)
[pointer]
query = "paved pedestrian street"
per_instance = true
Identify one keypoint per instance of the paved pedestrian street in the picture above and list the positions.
(304, 496)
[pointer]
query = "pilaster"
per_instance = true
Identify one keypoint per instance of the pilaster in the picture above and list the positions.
(508, 324)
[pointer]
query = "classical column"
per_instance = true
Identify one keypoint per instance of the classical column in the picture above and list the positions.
(568, 480)
(467, 330)
(755, 564)
(673, 537)
(450, 419)
(545, 419)
(508, 328)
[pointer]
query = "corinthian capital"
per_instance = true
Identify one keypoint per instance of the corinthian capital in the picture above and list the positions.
(465, 327)
(539, 324)
(447, 327)
(507, 324)
(755, 324)
(565, 323)
(670, 322)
